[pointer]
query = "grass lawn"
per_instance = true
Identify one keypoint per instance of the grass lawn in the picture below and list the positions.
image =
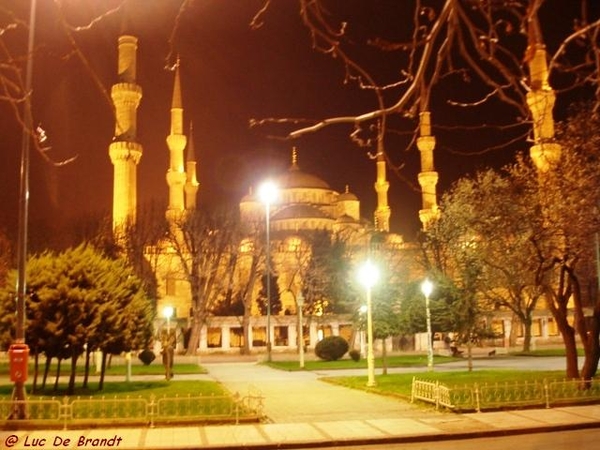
(127, 402)
(347, 363)
(400, 384)
(132, 389)
(123, 388)
(547, 352)
(156, 368)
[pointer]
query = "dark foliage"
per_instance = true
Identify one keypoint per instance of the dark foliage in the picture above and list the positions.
(331, 348)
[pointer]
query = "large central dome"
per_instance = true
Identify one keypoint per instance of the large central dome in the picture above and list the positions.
(296, 178)
(304, 202)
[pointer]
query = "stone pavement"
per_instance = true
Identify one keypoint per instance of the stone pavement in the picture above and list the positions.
(304, 412)
(299, 397)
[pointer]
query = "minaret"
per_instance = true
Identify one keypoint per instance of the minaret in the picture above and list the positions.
(382, 213)
(176, 141)
(545, 152)
(294, 165)
(191, 183)
(428, 177)
(125, 153)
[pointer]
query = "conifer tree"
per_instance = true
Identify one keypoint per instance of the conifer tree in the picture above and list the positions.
(80, 301)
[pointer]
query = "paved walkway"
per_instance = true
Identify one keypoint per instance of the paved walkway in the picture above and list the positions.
(305, 412)
(298, 397)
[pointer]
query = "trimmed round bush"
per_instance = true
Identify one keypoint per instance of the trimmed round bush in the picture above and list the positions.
(355, 355)
(331, 348)
(146, 356)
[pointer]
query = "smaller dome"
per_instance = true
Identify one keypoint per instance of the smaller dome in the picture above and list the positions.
(344, 218)
(250, 197)
(347, 196)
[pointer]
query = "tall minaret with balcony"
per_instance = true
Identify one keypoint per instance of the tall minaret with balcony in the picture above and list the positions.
(176, 141)
(428, 177)
(191, 183)
(545, 151)
(125, 152)
(382, 213)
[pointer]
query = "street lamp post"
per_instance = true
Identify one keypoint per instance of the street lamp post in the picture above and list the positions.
(19, 350)
(427, 288)
(267, 193)
(368, 276)
(363, 345)
(168, 344)
(128, 366)
(300, 304)
(167, 314)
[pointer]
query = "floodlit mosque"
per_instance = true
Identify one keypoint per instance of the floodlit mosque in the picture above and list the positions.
(305, 203)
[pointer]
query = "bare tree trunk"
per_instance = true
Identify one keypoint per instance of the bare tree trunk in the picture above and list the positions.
(588, 328)
(568, 334)
(557, 304)
(194, 342)
(469, 355)
(571, 353)
(36, 368)
(102, 371)
(87, 368)
(384, 356)
(57, 374)
(247, 302)
(514, 331)
(592, 345)
(246, 331)
(526, 334)
(46, 371)
(71, 388)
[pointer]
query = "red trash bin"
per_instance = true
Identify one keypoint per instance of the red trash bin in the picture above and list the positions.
(18, 356)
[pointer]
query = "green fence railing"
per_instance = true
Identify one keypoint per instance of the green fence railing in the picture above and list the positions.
(478, 397)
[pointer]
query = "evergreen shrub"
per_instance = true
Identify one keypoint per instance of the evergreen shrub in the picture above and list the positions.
(146, 356)
(355, 355)
(331, 348)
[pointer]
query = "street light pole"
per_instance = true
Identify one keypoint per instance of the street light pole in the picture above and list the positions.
(300, 304)
(368, 276)
(268, 227)
(427, 288)
(19, 351)
(168, 344)
(267, 193)
(168, 313)
(370, 351)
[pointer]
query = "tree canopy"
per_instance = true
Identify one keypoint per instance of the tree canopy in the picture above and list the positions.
(521, 235)
(78, 302)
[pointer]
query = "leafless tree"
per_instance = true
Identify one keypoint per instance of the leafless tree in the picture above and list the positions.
(469, 63)
(248, 264)
(200, 249)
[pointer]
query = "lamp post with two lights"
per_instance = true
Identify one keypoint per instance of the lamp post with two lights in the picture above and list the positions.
(427, 289)
(168, 343)
(268, 193)
(368, 275)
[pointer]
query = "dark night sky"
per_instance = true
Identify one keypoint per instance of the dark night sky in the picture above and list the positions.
(229, 75)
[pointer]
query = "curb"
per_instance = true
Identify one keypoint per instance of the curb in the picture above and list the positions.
(450, 436)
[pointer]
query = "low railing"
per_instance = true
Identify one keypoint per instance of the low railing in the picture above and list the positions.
(430, 392)
(115, 411)
(547, 393)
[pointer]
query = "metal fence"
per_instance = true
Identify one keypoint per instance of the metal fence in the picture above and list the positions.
(150, 411)
(478, 397)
